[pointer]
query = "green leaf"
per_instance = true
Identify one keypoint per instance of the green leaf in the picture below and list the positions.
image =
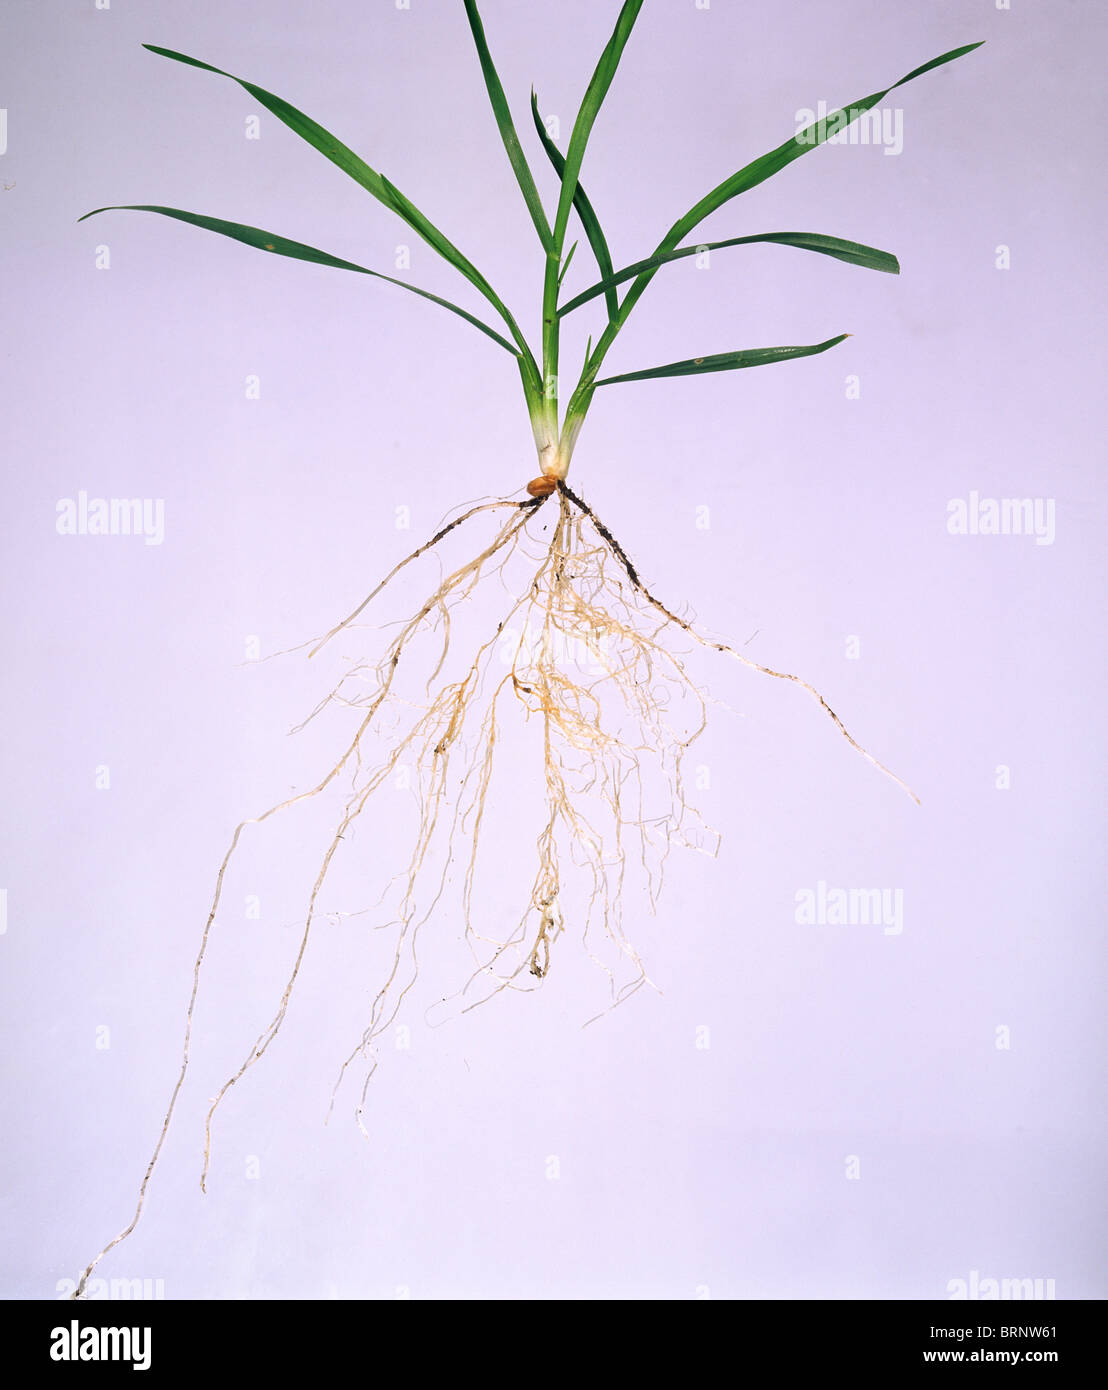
(309, 130)
(584, 208)
(808, 139)
(594, 96)
(725, 361)
(853, 252)
(750, 175)
(357, 169)
(565, 264)
(434, 238)
(507, 129)
(282, 246)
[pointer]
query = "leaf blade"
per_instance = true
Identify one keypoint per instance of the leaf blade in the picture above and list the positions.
(750, 175)
(852, 252)
(725, 361)
(321, 139)
(297, 250)
(585, 211)
(566, 259)
(758, 170)
(425, 228)
(356, 168)
(591, 102)
(506, 126)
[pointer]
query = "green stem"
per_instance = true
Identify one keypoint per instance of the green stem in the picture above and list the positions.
(550, 345)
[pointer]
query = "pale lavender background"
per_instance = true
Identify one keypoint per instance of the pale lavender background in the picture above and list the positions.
(680, 1168)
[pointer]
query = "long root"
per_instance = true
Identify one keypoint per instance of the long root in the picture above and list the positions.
(582, 654)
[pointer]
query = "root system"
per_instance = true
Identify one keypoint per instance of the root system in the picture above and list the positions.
(614, 729)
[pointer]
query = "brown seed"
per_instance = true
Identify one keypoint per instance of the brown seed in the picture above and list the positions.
(542, 487)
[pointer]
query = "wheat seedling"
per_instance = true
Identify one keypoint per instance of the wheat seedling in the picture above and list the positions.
(614, 724)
